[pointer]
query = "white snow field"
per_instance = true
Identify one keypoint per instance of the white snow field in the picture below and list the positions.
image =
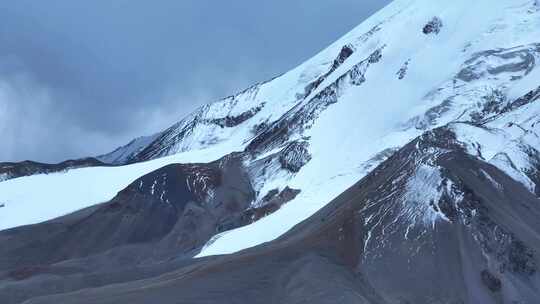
(416, 72)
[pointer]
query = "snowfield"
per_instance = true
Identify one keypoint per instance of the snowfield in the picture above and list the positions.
(368, 119)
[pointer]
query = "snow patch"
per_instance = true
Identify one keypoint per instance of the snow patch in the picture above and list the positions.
(422, 195)
(4, 177)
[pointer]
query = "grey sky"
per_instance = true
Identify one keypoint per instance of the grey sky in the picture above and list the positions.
(79, 78)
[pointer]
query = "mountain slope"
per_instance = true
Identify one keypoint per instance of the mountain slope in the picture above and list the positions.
(337, 95)
(431, 105)
(174, 209)
(469, 243)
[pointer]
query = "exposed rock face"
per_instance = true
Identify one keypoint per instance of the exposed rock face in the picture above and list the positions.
(233, 121)
(434, 26)
(531, 96)
(492, 104)
(269, 204)
(295, 156)
(403, 70)
(432, 115)
(517, 62)
(492, 282)
(344, 54)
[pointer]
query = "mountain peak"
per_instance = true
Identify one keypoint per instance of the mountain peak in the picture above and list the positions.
(407, 147)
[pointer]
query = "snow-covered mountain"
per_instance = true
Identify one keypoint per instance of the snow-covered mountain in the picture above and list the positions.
(419, 126)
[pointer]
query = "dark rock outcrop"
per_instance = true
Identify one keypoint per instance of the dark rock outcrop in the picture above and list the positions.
(271, 203)
(27, 168)
(403, 70)
(235, 120)
(434, 26)
(344, 54)
(294, 156)
(492, 282)
(517, 62)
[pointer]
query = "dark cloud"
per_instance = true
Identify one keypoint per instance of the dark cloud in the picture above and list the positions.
(81, 77)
